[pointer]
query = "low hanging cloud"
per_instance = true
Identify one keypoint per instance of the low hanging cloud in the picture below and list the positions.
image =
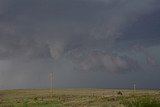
(106, 62)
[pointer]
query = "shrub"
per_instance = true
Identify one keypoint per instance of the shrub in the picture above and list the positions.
(35, 98)
(119, 93)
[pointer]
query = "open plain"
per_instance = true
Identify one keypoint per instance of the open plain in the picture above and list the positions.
(79, 98)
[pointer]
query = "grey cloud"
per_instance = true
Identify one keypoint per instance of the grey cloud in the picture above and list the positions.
(97, 61)
(121, 15)
(12, 47)
(74, 35)
(58, 36)
(4, 6)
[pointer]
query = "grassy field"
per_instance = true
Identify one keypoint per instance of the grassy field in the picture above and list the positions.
(79, 98)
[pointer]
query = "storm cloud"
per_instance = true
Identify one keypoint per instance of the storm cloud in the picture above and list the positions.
(77, 40)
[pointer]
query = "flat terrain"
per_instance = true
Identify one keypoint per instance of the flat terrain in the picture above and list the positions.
(79, 98)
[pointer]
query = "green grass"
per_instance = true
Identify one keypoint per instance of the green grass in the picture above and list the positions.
(79, 98)
(147, 101)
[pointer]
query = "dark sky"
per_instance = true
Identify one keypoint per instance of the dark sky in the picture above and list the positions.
(86, 43)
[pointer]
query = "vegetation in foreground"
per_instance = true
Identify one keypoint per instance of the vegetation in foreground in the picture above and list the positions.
(79, 98)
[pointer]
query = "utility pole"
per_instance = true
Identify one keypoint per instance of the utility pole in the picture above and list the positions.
(134, 87)
(51, 80)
